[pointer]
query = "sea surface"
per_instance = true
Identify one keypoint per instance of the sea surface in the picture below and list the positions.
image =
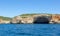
(29, 29)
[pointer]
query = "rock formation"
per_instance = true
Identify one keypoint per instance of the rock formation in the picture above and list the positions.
(41, 20)
(55, 18)
(33, 18)
(16, 20)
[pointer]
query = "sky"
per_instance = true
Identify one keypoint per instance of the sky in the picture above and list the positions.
(11, 8)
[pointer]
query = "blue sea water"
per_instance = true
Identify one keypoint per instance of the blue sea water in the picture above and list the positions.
(29, 29)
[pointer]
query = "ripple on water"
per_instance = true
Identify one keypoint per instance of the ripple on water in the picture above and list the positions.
(30, 30)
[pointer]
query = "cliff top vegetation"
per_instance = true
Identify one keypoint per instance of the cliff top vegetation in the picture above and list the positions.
(5, 18)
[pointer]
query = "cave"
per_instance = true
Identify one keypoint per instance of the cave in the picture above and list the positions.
(41, 20)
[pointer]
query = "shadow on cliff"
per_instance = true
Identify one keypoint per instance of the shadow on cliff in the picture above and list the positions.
(41, 20)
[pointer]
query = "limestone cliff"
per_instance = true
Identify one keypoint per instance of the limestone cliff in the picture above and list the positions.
(4, 19)
(39, 18)
(56, 18)
(30, 18)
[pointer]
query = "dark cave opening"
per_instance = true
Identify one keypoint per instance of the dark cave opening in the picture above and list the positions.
(41, 20)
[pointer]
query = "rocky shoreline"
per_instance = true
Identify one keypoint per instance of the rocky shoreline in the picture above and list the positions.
(34, 19)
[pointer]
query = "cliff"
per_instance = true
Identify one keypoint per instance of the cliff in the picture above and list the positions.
(56, 18)
(32, 18)
(5, 19)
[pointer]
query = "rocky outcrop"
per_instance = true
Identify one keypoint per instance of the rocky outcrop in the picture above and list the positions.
(32, 19)
(27, 20)
(55, 18)
(4, 21)
(16, 20)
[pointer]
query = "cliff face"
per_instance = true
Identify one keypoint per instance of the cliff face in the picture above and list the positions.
(55, 18)
(4, 19)
(15, 20)
(39, 18)
(27, 20)
(32, 18)
(19, 19)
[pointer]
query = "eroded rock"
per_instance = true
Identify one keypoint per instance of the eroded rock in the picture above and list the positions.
(41, 20)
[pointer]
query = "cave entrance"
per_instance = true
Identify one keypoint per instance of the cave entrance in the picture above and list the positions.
(41, 20)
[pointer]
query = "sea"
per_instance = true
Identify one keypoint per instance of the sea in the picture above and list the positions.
(29, 29)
